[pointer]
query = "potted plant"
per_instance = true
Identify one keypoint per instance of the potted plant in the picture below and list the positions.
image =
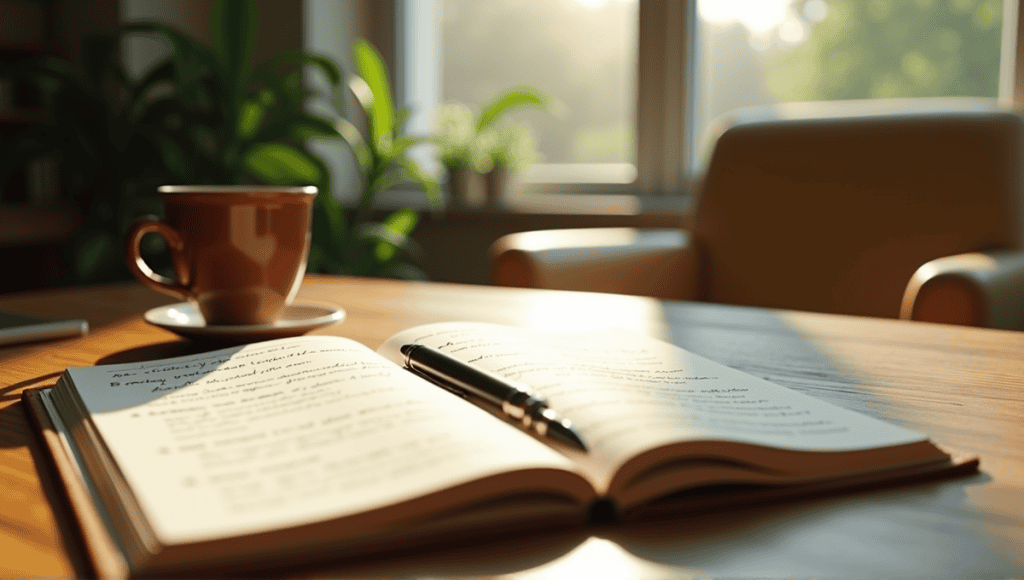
(374, 248)
(205, 114)
(510, 148)
(471, 144)
(459, 151)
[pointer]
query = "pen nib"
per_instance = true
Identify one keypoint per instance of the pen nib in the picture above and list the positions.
(566, 435)
(562, 431)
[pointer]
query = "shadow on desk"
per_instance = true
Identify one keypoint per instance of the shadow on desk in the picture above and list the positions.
(917, 531)
(12, 393)
(160, 350)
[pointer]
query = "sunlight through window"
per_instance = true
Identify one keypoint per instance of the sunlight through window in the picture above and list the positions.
(762, 52)
(759, 16)
(584, 54)
(580, 52)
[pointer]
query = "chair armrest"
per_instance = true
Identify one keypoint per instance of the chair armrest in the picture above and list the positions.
(645, 262)
(979, 289)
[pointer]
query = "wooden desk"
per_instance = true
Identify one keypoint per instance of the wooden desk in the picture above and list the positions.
(963, 386)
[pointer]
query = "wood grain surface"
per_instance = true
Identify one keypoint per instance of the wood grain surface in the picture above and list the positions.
(963, 386)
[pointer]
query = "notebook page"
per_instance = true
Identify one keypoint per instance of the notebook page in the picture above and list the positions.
(286, 432)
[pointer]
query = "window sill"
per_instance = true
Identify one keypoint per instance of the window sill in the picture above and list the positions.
(456, 241)
(549, 204)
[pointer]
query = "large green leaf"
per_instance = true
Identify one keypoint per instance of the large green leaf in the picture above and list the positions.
(402, 222)
(250, 118)
(195, 64)
(359, 148)
(401, 145)
(290, 126)
(363, 93)
(508, 100)
(234, 38)
(381, 112)
(278, 93)
(416, 173)
(391, 236)
(302, 57)
(286, 112)
(401, 118)
(303, 127)
(280, 164)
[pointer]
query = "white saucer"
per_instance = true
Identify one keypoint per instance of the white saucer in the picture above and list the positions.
(185, 319)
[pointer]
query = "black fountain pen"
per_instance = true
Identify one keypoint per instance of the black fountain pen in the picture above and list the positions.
(493, 392)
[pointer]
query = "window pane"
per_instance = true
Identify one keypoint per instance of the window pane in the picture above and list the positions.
(753, 52)
(580, 52)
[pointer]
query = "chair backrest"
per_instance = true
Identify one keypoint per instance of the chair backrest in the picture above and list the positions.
(832, 207)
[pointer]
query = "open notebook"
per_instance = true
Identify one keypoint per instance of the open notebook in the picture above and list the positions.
(316, 447)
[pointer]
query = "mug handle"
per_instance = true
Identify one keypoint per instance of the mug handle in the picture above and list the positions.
(178, 288)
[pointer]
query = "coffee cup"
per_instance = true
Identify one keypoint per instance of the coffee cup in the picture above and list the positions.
(238, 252)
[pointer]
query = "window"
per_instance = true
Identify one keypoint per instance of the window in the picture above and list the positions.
(639, 94)
(580, 52)
(468, 51)
(757, 52)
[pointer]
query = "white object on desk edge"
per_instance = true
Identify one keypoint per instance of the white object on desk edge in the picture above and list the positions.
(19, 327)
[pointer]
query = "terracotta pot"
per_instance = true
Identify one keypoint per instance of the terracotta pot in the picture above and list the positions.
(497, 185)
(465, 187)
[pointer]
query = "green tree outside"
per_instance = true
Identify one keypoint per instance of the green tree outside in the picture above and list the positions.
(891, 49)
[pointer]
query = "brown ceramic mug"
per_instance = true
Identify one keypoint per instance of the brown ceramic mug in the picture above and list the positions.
(239, 252)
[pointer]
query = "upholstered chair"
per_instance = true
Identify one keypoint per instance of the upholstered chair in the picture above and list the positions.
(874, 208)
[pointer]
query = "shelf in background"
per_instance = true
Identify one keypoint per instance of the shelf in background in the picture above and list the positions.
(20, 116)
(32, 244)
(30, 225)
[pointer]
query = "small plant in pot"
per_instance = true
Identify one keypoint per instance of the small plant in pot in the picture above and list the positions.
(458, 147)
(510, 148)
(474, 144)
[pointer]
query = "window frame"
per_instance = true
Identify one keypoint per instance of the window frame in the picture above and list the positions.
(664, 67)
(665, 152)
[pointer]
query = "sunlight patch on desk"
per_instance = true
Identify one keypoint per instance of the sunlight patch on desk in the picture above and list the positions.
(568, 311)
(599, 558)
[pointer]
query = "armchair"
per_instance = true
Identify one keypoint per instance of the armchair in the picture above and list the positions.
(872, 208)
